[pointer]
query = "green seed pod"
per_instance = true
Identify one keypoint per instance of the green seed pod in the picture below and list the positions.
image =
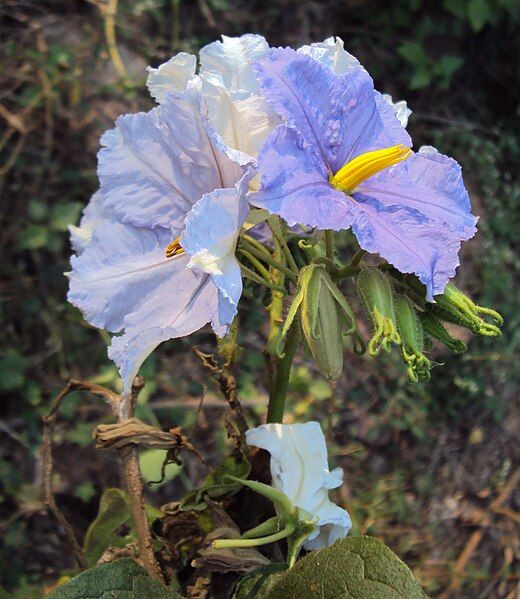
(376, 292)
(325, 316)
(456, 307)
(433, 327)
(412, 340)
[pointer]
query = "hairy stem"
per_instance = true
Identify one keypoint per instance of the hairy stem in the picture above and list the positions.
(280, 381)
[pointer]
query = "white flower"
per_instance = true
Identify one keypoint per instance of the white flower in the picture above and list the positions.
(236, 109)
(299, 469)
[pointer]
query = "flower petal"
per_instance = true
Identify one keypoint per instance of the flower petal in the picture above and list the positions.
(332, 54)
(232, 59)
(116, 270)
(181, 305)
(171, 76)
(402, 112)
(212, 248)
(243, 119)
(338, 116)
(429, 183)
(123, 280)
(94, 214)
(156, 165)
(295, 184)
(409, 240)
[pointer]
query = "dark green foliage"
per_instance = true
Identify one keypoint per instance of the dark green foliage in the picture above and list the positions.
(352, 568)
(122, 579)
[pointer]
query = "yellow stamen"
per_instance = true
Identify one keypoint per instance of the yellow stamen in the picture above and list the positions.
(174, 248)
(364, 166)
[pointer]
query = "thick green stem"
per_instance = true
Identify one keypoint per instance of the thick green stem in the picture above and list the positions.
(280, 381)
(329, 245)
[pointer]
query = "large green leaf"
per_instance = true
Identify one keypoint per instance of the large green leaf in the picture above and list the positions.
(352, 568)
(114, 512)
(105, 531)
(122, 579)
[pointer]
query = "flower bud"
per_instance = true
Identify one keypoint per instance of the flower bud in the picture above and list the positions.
(412, 340)
(325, 316)
(376, 292)
(434, 328)
(456, 307)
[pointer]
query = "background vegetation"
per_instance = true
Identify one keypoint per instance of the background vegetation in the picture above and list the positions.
(423, 463)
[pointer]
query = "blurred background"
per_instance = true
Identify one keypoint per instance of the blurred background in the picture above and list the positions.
(423, 463)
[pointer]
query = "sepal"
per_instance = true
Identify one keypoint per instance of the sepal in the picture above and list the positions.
(412, 340)
(376, 292)
(435, 329)
(324, 315)
(456, 307)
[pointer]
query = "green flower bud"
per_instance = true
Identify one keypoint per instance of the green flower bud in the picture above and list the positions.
(325, 316)
(412, 340)
(456, 307)
(434, 328)
(376, 292)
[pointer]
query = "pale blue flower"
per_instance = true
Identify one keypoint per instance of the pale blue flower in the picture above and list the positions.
(157, 243)
(342, 160)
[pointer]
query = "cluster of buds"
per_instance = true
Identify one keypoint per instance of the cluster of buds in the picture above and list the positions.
(396, 307)
(406, 320)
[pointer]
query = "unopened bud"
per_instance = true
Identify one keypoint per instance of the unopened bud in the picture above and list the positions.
(434, 328)
(456, 307)
(325, 316)
(376, 292)
(412, 340)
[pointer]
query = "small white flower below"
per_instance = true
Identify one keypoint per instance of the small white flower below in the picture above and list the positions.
(299, 468)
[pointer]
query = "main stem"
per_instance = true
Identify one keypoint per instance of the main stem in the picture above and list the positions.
(128, 454)
(329, 244)
(280, 380)
(279, 367)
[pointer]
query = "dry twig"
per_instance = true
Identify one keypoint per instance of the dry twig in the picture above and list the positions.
(122, 407)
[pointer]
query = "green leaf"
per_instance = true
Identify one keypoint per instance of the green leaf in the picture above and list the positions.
(413, 53)
(64, 215)
(12, 370)
(122, 579)
(456, 8)
(421, 78)
(37, 210)
(448, 64)
(33, 237)
(479, 14)
(352, 568)
(114, 512)
(151, 461)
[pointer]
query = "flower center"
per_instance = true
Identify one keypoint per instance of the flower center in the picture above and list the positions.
(364, 166)
(174, 248)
